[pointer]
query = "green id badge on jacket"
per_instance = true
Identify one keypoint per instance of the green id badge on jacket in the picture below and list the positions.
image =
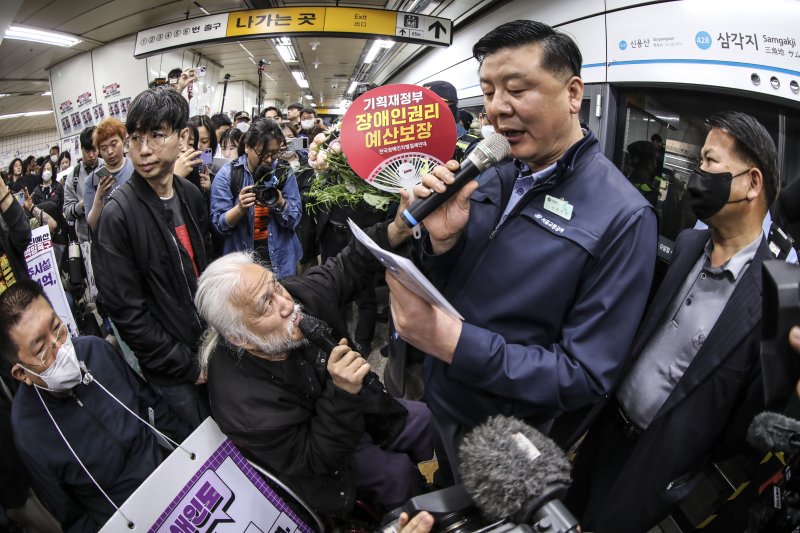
(559, 207)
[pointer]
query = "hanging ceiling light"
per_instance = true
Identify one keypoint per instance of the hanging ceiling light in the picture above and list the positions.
(285, 49)
(377, 46)
(300, 78)
(41, 36)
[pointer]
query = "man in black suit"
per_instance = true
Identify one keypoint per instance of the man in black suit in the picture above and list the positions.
(693, 383)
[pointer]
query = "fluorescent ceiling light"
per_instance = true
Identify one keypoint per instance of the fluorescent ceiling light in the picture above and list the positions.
(309, 97)
(285, 49)
(353, 87)
(245, 49)
(377, 46)
(28, 114)
(40, 36)
(313, 104)
(48, 93)
(300, 78)
(253, 61)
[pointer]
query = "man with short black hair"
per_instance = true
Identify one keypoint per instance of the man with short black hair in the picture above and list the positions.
(74, 206)
(694, 381)
(548, 255)
(293, 111)
(151, 245)
(273, 113)
(308, 119)
(67, 423)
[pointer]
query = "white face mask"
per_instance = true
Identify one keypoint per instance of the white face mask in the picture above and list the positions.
(307, 124)
(46, 175)
(487, 130)
(64, 373)
(53, 158)
(243, 126)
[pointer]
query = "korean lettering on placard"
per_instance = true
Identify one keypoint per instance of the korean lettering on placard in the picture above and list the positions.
(42, 272)
(274, 20)
(640, 43)
(396, 119)
(197, 511)
(726, 39)
(37, 244)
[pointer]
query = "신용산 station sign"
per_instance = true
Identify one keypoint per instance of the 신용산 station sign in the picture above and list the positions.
(297, 21)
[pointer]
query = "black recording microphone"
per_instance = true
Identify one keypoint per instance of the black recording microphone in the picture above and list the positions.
(486, 153)
(512, 471)
(774, 432)
(319, 333)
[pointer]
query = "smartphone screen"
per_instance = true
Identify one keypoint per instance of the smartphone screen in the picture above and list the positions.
(298, 143)
(206, 157)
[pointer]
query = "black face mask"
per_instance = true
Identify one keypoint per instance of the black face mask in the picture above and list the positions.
(709, 192)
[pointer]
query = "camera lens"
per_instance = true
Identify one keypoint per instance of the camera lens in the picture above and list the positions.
(266, 195)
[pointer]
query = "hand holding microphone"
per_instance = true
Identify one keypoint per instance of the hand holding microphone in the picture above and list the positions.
(347, 368)
(443, 188)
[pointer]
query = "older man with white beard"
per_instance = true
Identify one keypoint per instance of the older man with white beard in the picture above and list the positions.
(300, 412)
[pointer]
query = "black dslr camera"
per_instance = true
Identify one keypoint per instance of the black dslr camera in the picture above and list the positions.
(266, 193)
(268, 181)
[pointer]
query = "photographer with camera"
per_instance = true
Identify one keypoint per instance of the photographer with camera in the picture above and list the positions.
(255, 202)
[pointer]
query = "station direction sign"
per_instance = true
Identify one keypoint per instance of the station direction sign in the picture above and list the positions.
(296, 21)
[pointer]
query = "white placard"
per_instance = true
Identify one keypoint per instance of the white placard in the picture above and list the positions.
(216, 491)
(43, 269)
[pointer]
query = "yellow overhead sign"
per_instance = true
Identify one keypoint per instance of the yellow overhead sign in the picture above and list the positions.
(283, 20)
(339, 21)
(354, 20)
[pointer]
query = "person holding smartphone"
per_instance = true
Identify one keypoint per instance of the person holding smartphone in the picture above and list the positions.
(193, 163)
(109, 138)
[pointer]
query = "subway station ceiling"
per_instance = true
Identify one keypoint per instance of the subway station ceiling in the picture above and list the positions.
(330, 63)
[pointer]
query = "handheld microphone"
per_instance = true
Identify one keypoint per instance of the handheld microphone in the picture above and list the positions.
(512, 471)
(319, 334)
(774, 432)
(487, 153)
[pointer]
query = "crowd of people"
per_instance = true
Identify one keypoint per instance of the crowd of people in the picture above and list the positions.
(206, 259)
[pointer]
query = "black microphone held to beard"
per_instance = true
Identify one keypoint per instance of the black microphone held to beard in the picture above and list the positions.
(319, 334)
(486, 153)
(512, 471)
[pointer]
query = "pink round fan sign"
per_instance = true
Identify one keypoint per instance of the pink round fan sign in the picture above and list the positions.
(391, 129)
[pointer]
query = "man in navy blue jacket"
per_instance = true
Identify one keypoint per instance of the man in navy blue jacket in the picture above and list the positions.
(549, 256)
(69, 393)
